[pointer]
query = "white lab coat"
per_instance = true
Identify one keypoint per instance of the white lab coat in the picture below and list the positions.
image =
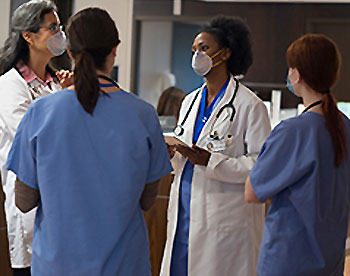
(225, 232)
(15, 98)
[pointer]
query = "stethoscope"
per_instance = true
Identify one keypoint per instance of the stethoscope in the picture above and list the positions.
(179, 129)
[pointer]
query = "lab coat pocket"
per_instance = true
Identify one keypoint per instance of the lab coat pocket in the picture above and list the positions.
(235, 146)
(226, 211)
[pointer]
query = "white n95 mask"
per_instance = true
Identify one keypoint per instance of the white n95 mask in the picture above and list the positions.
(202, 63)
(57, 43)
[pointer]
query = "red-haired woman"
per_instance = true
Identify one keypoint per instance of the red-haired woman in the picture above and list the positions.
(305, 167)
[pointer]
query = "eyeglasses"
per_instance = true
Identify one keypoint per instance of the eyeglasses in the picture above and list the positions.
(53, 27)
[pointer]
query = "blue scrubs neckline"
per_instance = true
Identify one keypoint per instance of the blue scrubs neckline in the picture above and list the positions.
(204, 114)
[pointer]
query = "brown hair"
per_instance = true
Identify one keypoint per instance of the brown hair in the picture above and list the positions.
(170, 102)
(92, 34)
(318, 60)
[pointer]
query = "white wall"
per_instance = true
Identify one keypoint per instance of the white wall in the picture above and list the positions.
(4, 20)
(122, 13)
(155, 59)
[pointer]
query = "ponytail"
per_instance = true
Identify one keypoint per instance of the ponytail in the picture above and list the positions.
(85, 81)
(92, 35)
(335, 126)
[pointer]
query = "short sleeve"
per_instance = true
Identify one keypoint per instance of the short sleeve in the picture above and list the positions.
(159, 162)
(281, 162)
(22, 156)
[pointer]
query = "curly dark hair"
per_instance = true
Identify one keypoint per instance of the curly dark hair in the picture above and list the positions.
(232, 33)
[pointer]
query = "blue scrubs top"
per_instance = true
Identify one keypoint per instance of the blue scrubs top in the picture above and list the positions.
(90, 172)
(306, 225)
(179, 260)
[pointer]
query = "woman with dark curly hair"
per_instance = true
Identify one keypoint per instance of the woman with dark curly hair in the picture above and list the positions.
(211, 229)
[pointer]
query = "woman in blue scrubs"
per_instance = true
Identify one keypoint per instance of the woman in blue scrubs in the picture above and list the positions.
(90, 157)
(304, 166)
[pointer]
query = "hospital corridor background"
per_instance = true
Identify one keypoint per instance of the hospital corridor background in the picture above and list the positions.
(155, 57)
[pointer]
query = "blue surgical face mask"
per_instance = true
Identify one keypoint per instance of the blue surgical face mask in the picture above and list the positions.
(289, 86)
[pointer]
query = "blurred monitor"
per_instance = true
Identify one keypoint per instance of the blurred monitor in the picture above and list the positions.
(167, 124)
(286, 113)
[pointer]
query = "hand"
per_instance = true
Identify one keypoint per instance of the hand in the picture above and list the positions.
(195, 155)
(65, 77)
(171, 150)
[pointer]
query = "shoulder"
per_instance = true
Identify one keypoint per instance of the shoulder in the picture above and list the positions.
(14, 92)
(299, 128)
(346, 121)
(136, 100)
(12, 79)
(249, 104)
(190, 97)
(135, 104)
(59, 100)
(245, 96)
(12, 75)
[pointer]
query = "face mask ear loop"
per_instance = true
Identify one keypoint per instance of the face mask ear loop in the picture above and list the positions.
(217, 53)
(213, 56)
(216, 64)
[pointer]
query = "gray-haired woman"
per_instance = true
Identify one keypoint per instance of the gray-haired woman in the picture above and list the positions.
(35, 37)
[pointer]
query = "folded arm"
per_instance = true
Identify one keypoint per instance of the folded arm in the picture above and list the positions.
(149, 195)
(249, 193)
(26, 198)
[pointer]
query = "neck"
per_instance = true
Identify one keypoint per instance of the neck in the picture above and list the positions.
(100, 80)
(103, 73)
(309, 97)
(215, 80)
(37, 62)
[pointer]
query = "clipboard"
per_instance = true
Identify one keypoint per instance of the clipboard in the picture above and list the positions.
(172, 140)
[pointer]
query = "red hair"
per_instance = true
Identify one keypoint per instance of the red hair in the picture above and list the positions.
(318, 60)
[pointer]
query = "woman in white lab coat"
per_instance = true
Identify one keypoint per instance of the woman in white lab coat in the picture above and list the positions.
(35, 38)
(211, 229)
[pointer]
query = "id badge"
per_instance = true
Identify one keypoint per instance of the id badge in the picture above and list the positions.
(216, 145)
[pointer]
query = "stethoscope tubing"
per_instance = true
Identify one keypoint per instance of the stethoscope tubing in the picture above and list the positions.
(180, 127)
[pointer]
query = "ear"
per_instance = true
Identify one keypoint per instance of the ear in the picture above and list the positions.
(294, 75)
(297, 75)
(226, 54)
(27, 37)
(114, 51)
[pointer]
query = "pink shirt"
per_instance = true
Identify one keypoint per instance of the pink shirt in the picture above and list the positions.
(29, 75)
(37, 87)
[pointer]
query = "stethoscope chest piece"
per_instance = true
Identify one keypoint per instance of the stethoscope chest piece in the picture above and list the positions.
(178, 130)
(210, 146)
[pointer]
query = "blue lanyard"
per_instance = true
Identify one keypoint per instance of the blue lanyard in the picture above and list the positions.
(203, 115)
